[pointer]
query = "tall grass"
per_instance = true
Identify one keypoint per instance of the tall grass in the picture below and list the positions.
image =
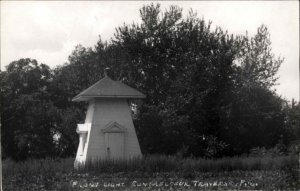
(151, 164)
(37, 166)
(158, 163)
(59, 174)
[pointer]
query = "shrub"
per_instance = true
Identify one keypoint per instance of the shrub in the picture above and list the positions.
(262, 151)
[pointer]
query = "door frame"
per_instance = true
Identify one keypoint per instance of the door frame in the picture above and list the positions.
(113, 127)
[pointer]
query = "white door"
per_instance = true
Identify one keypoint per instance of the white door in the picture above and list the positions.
(115, 145)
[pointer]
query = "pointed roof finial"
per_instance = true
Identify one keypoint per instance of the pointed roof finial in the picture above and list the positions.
(105, 71)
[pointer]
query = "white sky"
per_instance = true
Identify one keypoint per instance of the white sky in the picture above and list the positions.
(49, 30)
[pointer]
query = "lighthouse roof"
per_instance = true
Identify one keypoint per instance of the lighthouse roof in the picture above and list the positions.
(108, 88)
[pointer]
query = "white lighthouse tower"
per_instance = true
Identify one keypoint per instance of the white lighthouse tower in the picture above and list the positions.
(108, 131)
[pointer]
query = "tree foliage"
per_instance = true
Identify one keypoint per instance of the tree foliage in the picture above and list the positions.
(208, 92)
(259, 65)
(27, 111)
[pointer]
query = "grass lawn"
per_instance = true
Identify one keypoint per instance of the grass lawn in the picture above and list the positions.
(155, 173)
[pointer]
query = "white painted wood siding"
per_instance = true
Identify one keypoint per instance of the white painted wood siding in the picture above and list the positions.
(101, 112)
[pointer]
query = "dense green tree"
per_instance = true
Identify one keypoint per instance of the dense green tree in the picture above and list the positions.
(202, 86)
(258, 64)
(27, 110)
(292, 122)
(256, 116)
(208, 93)
(185, 69)
(81, 71)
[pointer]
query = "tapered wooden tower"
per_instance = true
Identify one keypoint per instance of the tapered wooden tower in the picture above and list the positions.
(108, 131)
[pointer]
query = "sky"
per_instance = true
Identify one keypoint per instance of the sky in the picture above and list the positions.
(48, 31)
